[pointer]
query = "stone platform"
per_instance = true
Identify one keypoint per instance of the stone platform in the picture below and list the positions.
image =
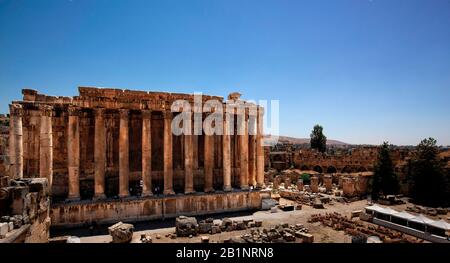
(149, 208)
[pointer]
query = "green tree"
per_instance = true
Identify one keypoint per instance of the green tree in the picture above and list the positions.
(429, 181)
(385, 181)
(306, 178)
(318, 139)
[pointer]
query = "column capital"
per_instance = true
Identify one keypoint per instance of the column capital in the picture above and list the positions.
(261, 110)
(16, 110)
(124, 113)
(146, 114)
(73, 111)
(167, 114)
(99, 112)
(46, 110)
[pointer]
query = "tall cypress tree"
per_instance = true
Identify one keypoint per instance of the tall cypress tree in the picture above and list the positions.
(318, 139)
(385, 181)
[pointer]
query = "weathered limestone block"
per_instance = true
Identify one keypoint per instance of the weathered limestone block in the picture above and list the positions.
(204, 227)
(121, 232)
(348, 187)
(314, 184)
(186, 226)
(4, 229)
(328, 182)
(307, 238)
(300, 185)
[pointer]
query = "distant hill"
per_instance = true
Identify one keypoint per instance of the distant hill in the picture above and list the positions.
(306, 140)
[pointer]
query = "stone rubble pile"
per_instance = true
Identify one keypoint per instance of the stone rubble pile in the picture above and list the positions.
(24, 202)
(428, 210)
(188, 226)
(359, 229)
(281, 233)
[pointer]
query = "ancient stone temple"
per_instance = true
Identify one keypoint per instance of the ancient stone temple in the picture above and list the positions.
(113, 144)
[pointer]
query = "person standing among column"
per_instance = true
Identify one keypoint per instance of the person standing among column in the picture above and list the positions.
(46, 144)
(260, 149)
(124, 155)
(99, 154)
(147, 153)
(168, 162)
(73, 153)
(16, 141)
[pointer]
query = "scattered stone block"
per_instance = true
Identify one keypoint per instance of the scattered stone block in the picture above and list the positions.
(4, 229)
(318, 204)
(146, 238)
(205, 239)
(307, 238)
(258, 223)
(185, 226)
(121, 232)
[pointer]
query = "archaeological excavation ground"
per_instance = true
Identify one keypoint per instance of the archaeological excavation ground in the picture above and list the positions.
(106, 166)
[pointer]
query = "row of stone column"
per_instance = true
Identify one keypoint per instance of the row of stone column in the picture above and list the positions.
(45, 142)
(251, 170)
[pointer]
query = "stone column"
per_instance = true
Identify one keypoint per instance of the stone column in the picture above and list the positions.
(260, 149)
(226, 149)
(99, 154)
(46, 144)
(314, 184)
(300, 185)
(168, 164)
(252, 150)
(124, 154)
(328, 182)
(189, 159)
(243, 142)
(16, 141)
(73, 153)
(209, 162)
(147, 153)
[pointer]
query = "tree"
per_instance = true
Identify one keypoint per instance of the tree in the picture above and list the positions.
(429, 181)
(385, 181)
(318, 139)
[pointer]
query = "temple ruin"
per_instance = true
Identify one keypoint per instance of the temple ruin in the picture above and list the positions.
(111, 149)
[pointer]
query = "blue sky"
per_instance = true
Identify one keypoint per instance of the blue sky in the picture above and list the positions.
(367, 71)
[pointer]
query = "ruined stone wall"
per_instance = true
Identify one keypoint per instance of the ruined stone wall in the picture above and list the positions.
(73, 214)
(25, 204)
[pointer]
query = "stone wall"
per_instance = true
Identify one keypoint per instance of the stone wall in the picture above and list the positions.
(139, 209)
(25, 204)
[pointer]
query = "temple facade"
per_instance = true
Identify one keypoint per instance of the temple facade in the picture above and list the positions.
(113, 143)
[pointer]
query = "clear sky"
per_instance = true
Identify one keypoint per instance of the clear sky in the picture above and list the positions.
(366, 70)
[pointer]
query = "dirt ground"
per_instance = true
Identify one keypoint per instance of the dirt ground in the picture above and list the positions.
(321, 234)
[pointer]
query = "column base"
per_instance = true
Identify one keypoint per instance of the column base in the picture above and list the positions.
(209, 190)
(99, 197)
(73, 199)
(189, 191)
(124, 195)
(244, 187)
(147, 194)
(169, 192)
(260, 186)
(228, 188)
